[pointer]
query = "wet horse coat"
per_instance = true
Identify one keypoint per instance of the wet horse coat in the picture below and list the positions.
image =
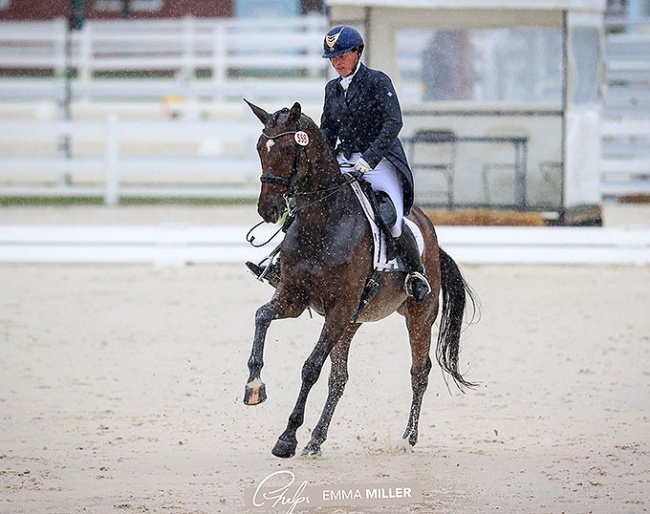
(326, 262)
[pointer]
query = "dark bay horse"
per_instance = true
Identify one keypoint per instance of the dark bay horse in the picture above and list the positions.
(326, 261)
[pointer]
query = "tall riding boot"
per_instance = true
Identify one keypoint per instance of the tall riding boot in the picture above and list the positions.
(416, 284)
(269, 272)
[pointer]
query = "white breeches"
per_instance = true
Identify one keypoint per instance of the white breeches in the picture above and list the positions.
(384, 177)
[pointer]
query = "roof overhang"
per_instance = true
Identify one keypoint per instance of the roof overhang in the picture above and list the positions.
(542, 5)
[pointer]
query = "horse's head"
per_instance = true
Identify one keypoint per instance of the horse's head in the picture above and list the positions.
(282, 151)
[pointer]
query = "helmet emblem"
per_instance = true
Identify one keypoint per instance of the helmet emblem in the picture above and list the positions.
(331, 40)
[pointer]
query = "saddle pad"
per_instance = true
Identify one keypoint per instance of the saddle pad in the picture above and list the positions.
(380, 259)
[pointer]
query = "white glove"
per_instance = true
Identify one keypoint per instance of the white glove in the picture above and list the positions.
(362, 166)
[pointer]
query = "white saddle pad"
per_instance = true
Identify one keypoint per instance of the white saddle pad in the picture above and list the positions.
(380, 259)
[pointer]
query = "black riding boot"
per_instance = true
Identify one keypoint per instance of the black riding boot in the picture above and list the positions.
(416, 284)
(269, 272)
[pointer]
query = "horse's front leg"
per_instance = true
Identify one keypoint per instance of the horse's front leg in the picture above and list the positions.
(255, 391)
(332, 332)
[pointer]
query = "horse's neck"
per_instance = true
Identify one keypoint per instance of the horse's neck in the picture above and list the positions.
(320, 226)
(332, 198)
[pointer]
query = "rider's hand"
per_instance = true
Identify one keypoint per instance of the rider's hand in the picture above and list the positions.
(362, 166)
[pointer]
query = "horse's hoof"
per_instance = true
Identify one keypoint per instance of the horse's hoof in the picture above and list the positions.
(284, 449)
(311, 450)
(409, 440)
(255, 392)
(404, 445)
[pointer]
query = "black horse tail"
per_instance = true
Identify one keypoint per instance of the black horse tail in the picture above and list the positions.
(455, 293)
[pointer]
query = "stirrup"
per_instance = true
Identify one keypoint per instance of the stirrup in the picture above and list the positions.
(255, 269)
(417, 286)
(269, 272)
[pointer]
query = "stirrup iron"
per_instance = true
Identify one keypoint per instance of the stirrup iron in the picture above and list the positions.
(410, 285)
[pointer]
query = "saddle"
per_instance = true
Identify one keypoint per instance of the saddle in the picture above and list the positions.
(380, 213)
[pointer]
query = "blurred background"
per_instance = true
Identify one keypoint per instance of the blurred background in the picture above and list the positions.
(522, 108)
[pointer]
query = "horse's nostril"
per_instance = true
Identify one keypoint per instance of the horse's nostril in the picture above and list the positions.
(268, 212)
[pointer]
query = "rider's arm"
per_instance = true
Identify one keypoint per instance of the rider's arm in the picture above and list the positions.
(391, 119)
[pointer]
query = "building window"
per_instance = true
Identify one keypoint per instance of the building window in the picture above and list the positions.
(481, 65)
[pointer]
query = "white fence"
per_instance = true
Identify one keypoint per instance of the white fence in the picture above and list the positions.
(214, 159)
(198, 58)
(209, 159)
(184, 47)
(176, 245)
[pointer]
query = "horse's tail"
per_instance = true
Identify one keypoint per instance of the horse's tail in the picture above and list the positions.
(455, 293)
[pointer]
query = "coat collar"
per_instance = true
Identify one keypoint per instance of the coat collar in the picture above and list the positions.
(356, 81)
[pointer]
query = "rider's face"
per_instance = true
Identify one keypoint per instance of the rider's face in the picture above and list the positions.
(344, 64)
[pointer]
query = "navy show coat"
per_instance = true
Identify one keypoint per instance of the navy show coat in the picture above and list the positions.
(368, 120)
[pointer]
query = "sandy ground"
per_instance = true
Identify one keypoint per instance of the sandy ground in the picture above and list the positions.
(122, 391)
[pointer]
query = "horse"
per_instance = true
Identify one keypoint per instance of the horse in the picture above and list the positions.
(326, 261)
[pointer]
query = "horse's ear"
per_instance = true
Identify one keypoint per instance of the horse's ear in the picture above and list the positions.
(261, 114)
(294, 114)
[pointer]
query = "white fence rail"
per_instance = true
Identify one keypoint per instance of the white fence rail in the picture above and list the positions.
(167, 245)
(209, 159)
(182, 158)
(149, 59)
(184, 47)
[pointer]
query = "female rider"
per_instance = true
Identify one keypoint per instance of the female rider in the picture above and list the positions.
(361, 121)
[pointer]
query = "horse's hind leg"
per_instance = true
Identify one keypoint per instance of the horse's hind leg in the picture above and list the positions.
(338, 379)
(419, 328)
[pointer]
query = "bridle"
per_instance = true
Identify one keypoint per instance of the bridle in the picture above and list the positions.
(270, 178)
(288, 183)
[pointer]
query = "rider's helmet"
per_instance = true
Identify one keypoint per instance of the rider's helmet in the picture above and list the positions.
(342, 39)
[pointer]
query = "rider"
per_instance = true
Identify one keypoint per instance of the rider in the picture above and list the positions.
(361, 121)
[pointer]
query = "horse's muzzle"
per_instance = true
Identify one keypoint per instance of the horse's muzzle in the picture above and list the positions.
(270, 211)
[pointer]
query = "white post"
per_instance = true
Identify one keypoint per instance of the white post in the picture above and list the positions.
(314, 28)
(219, 54)
(59, 34)
(187, 70)
(111, 162)
(85, 56)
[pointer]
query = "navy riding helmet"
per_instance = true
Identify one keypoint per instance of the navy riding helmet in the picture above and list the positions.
(341, 39)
